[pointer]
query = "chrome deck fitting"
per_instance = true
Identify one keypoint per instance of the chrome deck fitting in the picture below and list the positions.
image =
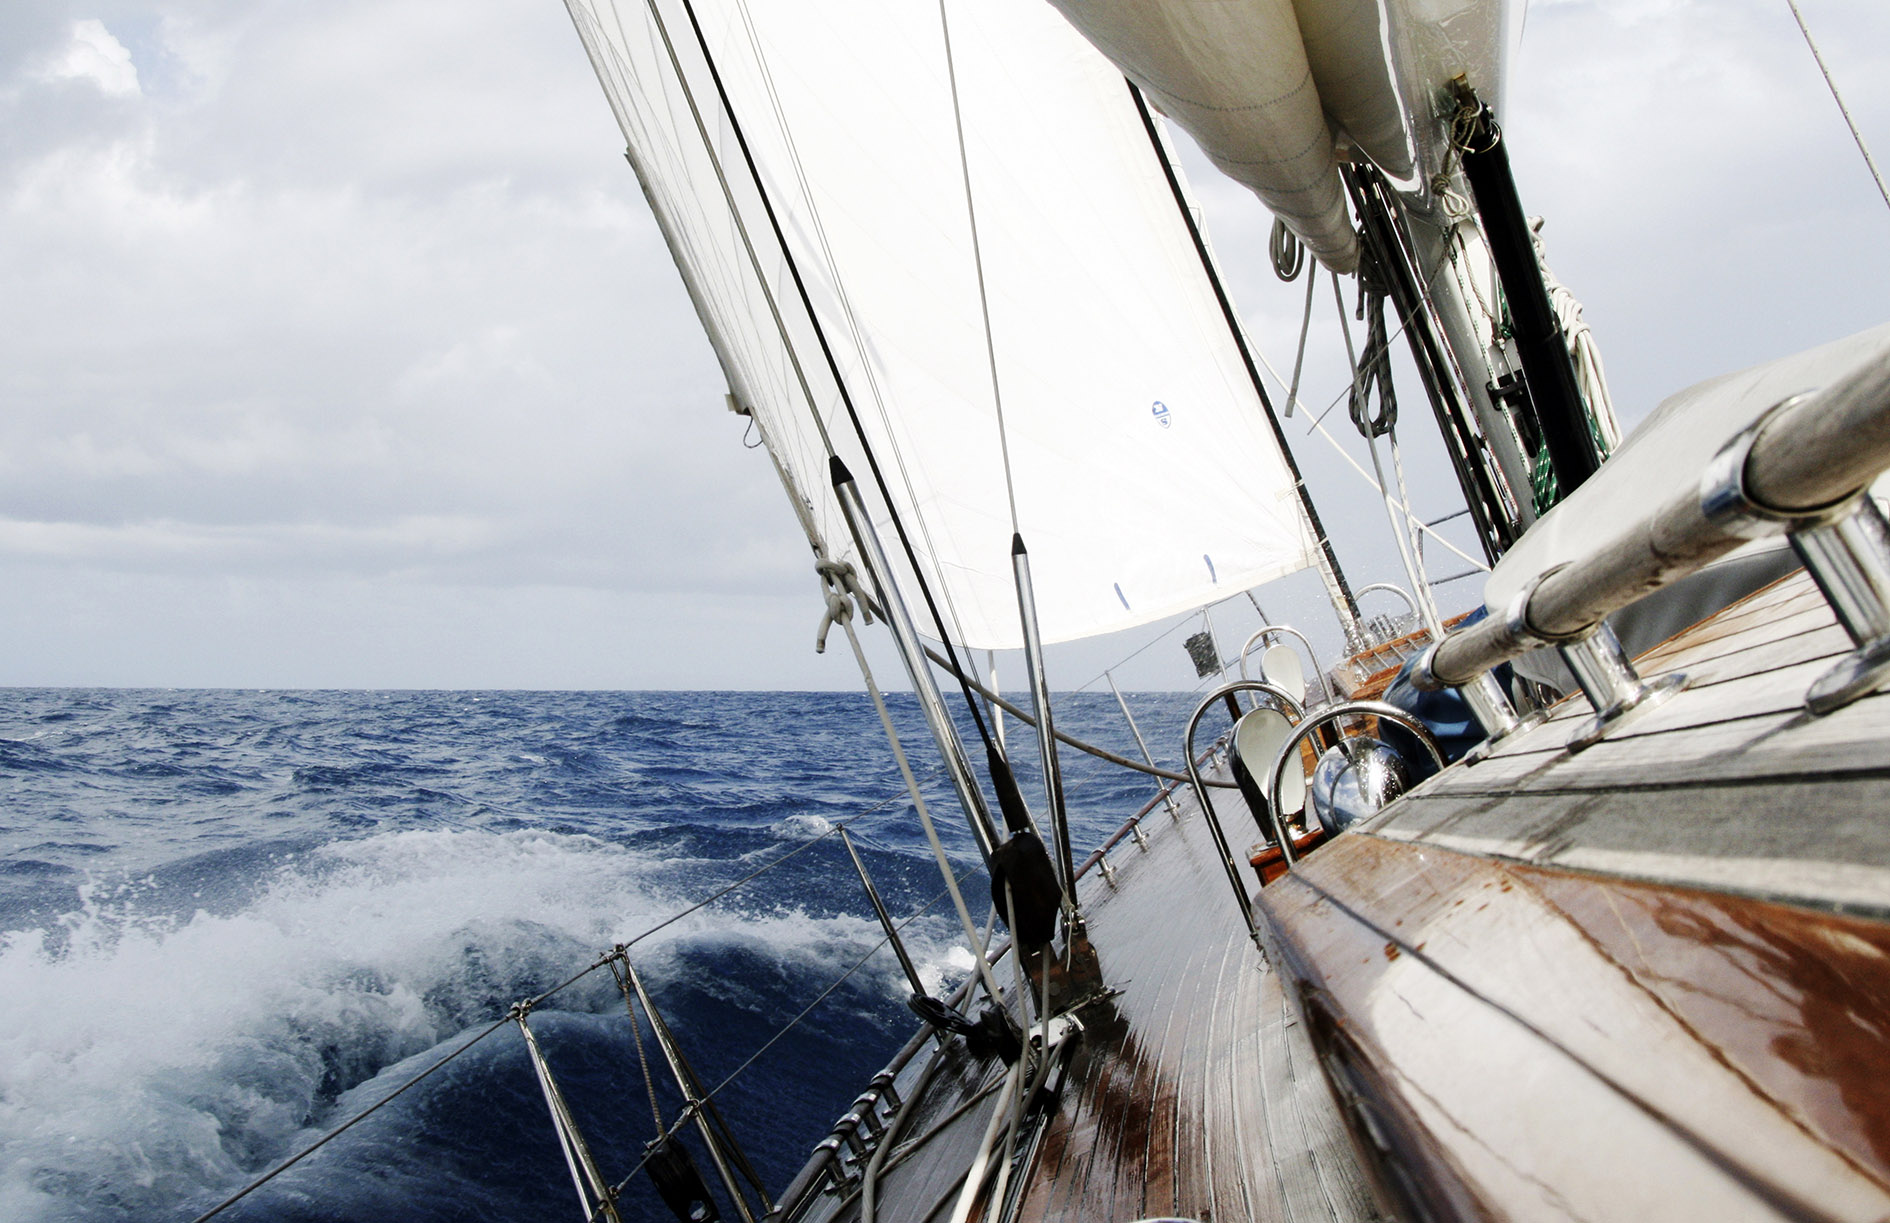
(1611, 684)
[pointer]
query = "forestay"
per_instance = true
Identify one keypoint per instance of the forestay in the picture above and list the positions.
(1147, 477)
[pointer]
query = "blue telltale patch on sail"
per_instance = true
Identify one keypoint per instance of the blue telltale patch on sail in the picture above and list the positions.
(1212, 576)
(1123, 597)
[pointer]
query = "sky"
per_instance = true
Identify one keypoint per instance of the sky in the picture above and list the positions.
(337, 348)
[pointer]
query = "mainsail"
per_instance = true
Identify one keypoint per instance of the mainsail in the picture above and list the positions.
(805, 164)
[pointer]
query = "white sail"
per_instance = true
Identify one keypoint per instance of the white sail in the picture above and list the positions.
(1146, 475)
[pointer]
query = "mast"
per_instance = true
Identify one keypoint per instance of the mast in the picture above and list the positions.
(1553, 388)
(1397, 263)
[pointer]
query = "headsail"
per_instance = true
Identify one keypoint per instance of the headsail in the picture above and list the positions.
(1147, 477)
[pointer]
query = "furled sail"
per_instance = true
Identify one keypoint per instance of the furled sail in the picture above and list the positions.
(805, 164)
(1278, 92)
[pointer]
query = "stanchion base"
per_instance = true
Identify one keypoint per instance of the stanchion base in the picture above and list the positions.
(1857, 674)
(1650, 696)
(1482, 751)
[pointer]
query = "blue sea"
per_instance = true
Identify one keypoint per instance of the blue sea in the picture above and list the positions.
(232, 920)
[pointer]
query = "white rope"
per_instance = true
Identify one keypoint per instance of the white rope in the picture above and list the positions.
(1579, 338)
(1416, 522)
(841, 584)
(1400, 534)
(1299, 354)
(1318, 425)
(1406, 539)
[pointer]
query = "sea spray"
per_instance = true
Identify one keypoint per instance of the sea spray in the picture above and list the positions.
(235, 919)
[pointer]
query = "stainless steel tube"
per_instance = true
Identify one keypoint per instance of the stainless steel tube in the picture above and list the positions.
(1811, 455)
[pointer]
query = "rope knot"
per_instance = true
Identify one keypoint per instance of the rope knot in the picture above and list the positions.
(842, 588)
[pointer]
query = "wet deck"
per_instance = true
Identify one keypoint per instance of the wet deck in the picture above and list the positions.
(1646, 980)
(1729, 785)
(1192, 1093)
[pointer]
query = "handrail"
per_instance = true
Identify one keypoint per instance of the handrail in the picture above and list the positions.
(1290, 749)
(1802, 462)
(1401, 592)
(1298, 711)
(1312, 656)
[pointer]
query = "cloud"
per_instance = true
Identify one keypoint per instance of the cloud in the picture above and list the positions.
(347, 307)
(94, 55)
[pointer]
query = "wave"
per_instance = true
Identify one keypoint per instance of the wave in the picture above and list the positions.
(152, 1061)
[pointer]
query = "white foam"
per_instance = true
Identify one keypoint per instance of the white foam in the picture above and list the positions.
(144, 1061)
(801, 826)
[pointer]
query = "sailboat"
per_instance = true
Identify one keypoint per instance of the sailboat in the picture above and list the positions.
(1571, 908)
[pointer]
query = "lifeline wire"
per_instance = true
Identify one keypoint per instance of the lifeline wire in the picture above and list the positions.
(391, 1096)
(841, 980)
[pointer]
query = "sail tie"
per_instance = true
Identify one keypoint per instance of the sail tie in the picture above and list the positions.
(843, 590)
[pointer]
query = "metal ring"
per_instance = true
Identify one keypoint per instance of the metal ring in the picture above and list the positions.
(1276, 774)
(1516, 615)
(1725, 503)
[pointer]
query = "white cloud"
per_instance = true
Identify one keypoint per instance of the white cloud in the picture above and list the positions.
(94, 55)
(360, 312)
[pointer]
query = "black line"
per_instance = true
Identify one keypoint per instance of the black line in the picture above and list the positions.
(1240, 342)
(833, 368)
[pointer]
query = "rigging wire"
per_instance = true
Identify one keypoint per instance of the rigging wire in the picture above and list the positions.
(1344, 605)
(820, 336)
(602, 962)
(839, 286)
(977, 262)
(839, 981)
(1856, 135)
(1317, 425)
(353, 1121)
(1364, 375)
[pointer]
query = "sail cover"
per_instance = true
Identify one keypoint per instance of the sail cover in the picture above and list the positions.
(804, 162)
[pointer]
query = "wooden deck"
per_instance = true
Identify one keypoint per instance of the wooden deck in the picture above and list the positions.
(1730, 785)
(1646, 980)
(1193, 1091)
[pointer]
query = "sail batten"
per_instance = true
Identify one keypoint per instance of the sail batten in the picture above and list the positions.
(1147, 478)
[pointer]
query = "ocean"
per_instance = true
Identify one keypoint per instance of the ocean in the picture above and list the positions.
(233, 919)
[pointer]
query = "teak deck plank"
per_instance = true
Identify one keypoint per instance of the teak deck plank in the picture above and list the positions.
(1607, 926)
(1166, 1107)
(1778, 803)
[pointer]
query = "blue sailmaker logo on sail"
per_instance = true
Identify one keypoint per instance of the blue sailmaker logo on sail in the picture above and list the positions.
(1161, 413)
